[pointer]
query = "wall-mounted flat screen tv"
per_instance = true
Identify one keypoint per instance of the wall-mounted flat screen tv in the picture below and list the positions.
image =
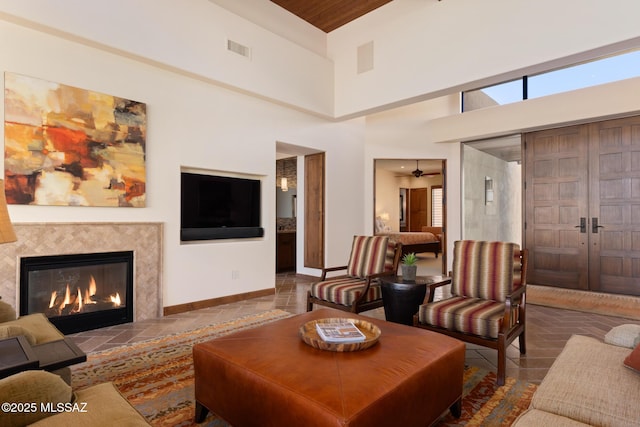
(219, 207)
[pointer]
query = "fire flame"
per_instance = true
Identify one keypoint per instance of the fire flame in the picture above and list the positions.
(67, 297)
(92, 286)
(75, 304)
(87, 298)
(116, 299)
(54, 294)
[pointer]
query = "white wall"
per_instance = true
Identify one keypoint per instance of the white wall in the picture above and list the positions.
(404, 133)
(343, 144)
(278, 20)
(425, 49)
(190, 36)
(173, 58)
(196, 124)
(422, 49)
(387, 196)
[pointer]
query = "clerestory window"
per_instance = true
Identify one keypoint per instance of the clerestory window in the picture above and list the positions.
(592, 73)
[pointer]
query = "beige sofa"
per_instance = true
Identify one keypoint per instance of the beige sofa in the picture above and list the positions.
(36, 328)
(46, 399)
(588, 384)
(43, 399)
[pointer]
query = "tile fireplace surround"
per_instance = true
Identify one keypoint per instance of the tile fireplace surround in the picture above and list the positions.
(39, 239)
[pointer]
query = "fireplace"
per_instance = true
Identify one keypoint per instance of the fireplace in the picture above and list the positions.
(78, 292)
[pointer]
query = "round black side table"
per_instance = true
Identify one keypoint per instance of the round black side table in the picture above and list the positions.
(402, 298)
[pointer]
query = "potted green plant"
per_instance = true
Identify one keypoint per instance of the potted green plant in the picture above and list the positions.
(409, 267)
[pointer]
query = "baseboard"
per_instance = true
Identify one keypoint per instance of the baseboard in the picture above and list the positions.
(197, 305)
(625, 306)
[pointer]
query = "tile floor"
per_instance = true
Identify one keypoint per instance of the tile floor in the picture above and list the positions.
(547, 331)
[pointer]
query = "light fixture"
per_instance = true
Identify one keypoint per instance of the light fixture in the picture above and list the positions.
(488, 190)
(7, 234)
(283, 180)
(417, 173)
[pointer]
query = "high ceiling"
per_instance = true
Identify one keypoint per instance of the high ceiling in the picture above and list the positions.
(328, 15)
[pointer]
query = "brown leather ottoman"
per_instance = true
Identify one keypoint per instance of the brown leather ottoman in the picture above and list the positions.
(267, 376)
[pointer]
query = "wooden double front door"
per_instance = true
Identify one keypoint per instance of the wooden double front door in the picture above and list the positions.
(582, 206)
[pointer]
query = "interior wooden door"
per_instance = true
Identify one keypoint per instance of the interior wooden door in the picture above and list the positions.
(615, 206)
(556, 201)
(314, 210)
(418, 208)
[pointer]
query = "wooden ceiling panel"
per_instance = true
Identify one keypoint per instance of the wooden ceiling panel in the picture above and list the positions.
(328, 15)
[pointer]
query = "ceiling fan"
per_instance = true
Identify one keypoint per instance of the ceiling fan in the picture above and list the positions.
(418, 173)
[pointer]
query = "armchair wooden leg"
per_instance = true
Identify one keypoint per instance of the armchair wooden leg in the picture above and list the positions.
(502, 361)
(309, 303)
(522, 342)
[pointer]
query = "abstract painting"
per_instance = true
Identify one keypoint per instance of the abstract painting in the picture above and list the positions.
(66, 146)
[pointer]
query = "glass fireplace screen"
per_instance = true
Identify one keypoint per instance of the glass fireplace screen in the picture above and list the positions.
(79, 288)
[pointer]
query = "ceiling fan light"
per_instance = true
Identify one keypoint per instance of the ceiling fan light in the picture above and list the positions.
(417, 173)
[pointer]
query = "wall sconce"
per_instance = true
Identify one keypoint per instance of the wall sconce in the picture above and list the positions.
(488, 190)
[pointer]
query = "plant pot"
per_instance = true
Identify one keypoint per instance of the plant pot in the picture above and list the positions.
(409, 272)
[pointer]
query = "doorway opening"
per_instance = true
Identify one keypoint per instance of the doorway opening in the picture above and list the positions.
(299, 220)
(409, 206)
(492, 190)
(286, 213)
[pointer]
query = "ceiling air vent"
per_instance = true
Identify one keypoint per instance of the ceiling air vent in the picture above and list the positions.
(365, 57)
(238, 48)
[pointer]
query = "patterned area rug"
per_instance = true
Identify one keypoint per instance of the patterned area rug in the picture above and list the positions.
(156, 376)
(486, 404)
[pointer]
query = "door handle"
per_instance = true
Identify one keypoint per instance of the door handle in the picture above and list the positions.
(583, 225)
(594, 225)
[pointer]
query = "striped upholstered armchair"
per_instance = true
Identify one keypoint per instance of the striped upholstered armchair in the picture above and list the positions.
(487, 303)
(359, 289)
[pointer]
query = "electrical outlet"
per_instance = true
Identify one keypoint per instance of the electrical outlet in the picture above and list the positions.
(235, 274)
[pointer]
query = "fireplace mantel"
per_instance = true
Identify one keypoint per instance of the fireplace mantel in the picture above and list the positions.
(38, 239)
